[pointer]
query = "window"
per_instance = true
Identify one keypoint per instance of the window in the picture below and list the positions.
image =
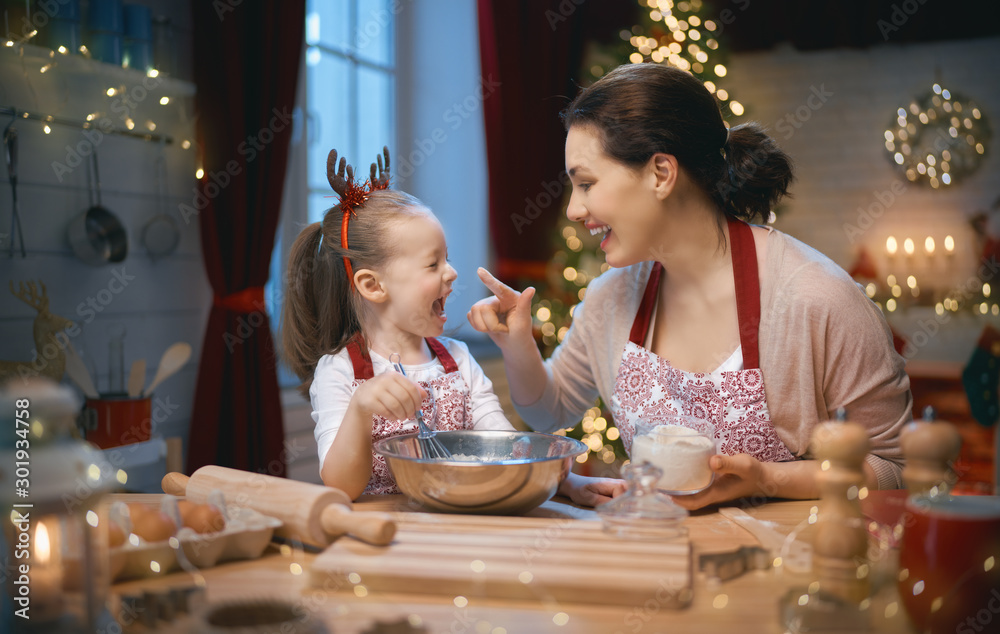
(350, 81)
(347, 95)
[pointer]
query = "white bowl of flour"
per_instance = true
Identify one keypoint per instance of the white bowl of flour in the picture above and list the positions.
(681, 453)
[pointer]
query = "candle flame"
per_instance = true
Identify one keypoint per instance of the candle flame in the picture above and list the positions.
(890, 245)
(42, 546)
(929, 245)
(949, 244)
(908, 246)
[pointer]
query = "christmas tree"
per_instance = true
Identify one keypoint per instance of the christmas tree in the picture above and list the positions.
(683, 35)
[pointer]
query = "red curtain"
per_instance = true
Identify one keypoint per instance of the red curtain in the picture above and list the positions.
(533, 50)
(246, 68)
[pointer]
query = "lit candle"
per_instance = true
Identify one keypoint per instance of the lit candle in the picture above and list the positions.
(949, 245)
(908, 246)
(44, 576)
(891, 246)
(929, 245)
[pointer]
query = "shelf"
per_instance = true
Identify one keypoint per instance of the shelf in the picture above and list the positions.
(74, 91)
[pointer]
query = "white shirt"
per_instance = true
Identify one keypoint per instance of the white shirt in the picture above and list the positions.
(333, 387)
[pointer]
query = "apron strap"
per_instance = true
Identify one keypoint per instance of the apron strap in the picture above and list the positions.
(747, 294)
(362, 362)
(747, 290)
(442, 354)
(360, 359)
(640, 326)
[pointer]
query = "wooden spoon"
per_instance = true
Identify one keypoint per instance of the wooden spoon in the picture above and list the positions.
(136, 377)
(173, 358)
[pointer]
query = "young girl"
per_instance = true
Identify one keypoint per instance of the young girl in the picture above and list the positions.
(702, 314)
(372, 279)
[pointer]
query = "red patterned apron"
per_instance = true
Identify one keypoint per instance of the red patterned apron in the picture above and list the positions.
(649, 389)
(450, 408)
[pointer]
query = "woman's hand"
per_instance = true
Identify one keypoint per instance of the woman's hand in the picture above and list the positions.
(587, 491)
(736, 476)
(390, 395)
(506, 315)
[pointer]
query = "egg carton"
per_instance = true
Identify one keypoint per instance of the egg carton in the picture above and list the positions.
(245, 536)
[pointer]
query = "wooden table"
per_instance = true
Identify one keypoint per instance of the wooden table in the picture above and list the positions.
(749, 603)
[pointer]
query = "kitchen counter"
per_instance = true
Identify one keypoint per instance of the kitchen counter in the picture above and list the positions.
(748, 603)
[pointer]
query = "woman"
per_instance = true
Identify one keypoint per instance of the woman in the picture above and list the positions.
(702, 314)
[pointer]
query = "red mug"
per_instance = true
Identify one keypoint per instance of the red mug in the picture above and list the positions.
(949, 564)
(113, 422)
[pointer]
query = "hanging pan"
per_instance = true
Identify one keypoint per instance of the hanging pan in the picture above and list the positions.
(96, 235)
(161, 233)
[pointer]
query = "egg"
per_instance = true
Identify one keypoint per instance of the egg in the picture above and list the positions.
(201, 518)
(152, 525)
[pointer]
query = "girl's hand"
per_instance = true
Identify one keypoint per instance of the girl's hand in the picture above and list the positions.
(506, 315)
(736, 477)
(391, 395)
(587, 491)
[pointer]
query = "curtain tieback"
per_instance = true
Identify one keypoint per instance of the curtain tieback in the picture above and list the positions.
(248, 300)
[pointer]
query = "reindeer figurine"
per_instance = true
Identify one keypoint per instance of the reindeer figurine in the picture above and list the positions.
(50, 355)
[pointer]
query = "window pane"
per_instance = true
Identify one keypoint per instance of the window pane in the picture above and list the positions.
(375, 98)
(330, 21)
(330, 111)
(373, 38)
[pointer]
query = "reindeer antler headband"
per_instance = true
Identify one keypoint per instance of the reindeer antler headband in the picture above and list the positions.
(352, 194)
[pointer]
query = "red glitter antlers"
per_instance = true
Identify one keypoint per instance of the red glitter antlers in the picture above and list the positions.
(352, 194)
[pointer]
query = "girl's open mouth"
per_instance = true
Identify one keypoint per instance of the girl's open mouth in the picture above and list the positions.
(438, 306)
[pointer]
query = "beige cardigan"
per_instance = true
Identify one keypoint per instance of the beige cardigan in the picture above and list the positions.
(823, 345)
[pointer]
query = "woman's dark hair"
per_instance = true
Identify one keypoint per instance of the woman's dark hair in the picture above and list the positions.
(643, 109)
(321, 311)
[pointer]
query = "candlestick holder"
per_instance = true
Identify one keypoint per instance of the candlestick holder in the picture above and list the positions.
(54, 538)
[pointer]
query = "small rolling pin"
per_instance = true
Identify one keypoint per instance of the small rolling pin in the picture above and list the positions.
(312, 514)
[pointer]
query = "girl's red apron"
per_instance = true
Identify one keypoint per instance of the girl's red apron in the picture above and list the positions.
(449, 409)
(649, 389)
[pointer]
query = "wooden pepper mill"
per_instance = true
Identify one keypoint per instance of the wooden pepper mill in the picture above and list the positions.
(840, 546)
(930, 448)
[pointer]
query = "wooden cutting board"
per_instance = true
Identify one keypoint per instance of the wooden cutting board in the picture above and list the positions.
(521, 558)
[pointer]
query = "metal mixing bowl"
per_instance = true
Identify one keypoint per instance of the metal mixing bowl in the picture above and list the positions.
(494, 472)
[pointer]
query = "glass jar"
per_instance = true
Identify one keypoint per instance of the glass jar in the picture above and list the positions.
(680, 450)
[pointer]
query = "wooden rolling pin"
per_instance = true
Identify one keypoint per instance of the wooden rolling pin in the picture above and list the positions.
(312, 514)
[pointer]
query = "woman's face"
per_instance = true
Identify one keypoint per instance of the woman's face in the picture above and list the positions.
(612, 199)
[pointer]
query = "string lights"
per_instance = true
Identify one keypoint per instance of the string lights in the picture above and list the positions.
(680, 37)
(45, 63)
(938, 139)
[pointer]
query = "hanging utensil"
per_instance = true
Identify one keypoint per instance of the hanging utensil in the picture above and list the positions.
(161, 233)
(96, 235)
(173, 358)
(10, 155)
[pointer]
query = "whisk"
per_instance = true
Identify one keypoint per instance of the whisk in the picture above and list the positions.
(430, 446)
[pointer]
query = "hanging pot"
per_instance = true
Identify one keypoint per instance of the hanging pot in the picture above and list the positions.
(96, 235)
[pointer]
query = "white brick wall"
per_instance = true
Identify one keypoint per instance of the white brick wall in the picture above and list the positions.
(841, 161)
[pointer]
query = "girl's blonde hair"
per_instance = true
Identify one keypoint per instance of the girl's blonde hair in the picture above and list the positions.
(322, 312)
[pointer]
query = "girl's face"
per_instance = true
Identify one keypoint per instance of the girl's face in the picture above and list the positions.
(418, 277)
(612, 199)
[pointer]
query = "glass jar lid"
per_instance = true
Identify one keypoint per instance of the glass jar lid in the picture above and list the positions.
(642, 512)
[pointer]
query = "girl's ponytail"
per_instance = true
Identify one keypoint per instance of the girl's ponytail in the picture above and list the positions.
(317, 306)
